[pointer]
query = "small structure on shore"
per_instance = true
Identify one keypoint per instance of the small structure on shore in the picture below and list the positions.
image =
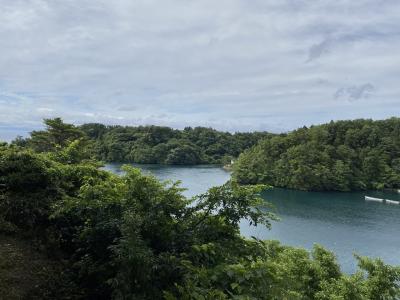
(228, 167)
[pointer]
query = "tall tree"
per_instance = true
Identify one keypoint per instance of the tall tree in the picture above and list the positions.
(57, 134)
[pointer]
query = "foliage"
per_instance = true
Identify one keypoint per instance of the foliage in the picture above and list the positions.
(29, 184)
(342, 156)
(134, 237)
(142, 144)
(66, 142)
(26, 273)
(57, 134)
(164, 145)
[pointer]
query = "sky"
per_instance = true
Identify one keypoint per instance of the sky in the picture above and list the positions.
(234, 65)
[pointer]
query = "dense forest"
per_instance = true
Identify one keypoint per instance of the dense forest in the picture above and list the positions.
(164, 145)
(103, 236)
(339, 156)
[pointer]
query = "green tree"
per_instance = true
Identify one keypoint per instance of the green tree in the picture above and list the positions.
(56, 135)
(341, 156)
(184, 154)
(134, 237)
(153, 144)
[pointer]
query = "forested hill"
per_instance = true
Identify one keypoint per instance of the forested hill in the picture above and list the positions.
(341, 156)
(164, 145)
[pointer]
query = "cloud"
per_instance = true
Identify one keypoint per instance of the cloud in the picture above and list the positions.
(127, 108)
(317, 50)
(340, 39)
(44, 109)
(230, 64)
(354, 92)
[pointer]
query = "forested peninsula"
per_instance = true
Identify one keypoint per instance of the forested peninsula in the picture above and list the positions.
(338, 156)
(70, 230)
(164, 145)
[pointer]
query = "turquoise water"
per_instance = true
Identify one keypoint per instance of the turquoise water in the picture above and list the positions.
(342, 222)
(196, 179)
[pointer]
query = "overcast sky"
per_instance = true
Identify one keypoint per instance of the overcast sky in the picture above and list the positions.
(229, 64)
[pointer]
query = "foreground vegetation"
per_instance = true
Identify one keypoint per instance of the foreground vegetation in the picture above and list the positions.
(133, 237)
(69, 230)
(25, 272)
(341, 156)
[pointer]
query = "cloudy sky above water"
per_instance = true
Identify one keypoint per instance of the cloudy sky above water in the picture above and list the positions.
(229, 64)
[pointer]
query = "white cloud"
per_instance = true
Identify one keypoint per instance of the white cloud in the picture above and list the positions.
(230, 64)
(45, 109)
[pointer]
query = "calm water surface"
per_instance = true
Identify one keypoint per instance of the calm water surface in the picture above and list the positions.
(342, 222)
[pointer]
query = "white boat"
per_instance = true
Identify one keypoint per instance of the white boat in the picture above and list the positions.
(367, 198)
(392, 202)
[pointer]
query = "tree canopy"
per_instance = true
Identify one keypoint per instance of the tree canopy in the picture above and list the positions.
(57, 134)
(341, 156)
(164, 145)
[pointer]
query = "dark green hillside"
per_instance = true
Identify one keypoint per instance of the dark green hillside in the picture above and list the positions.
(341, 156)
(164, 145)
(143, 144)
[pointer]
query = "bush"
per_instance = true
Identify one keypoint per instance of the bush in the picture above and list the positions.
(133, 237)
(30, 184)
